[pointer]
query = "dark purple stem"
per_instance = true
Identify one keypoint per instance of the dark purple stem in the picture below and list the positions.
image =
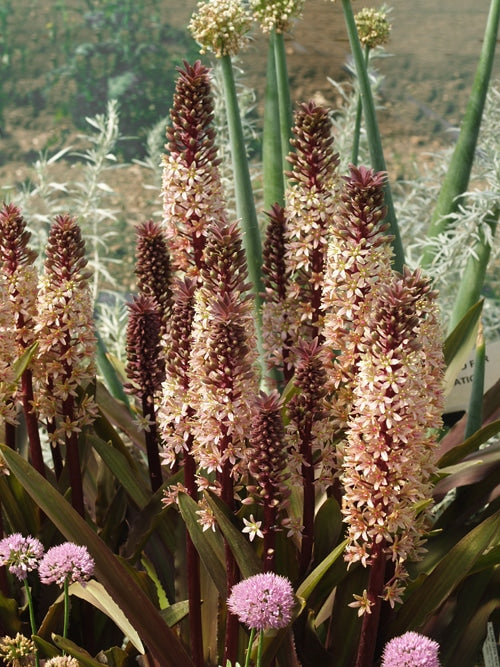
(308, 501)
(154, 463)
(193, 567)
(32, 422)
(368, 638)
(73, 459)
(269, 537)
(232, 573)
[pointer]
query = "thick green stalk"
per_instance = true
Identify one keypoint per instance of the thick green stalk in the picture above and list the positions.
(285, 104)
(245, 206)
(357, 121)
(472, 281)
(372, 129)
(272, 159)
(458, 174)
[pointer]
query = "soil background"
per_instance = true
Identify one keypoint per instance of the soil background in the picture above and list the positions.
(434, 48)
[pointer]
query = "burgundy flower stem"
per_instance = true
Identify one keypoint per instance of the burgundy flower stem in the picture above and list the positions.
(308, 500)
(193, 567)
(32, 422)
(151, 437)
(369, 628)
(55, 450)
(269, 523)
(10, 435)
(73, 459)
(232, 573)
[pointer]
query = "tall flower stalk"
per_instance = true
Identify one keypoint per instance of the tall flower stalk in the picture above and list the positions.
(388, 459)
(223, 377)
(146, 372)
(66, 351)
(21, 276)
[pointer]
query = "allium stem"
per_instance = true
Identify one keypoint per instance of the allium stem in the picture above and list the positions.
(249, 649)
(372, 129)
(66, 609)
(32, 617)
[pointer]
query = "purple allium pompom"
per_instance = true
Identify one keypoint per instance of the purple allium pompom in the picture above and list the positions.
(66, 562)
(411, 650)
(263, 601)
(21, 554)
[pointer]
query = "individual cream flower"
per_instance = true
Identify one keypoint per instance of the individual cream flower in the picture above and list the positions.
(252, 527)
(262, 602)
(221, 26)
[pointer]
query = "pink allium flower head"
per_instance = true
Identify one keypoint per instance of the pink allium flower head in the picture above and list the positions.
(411, 650)
(66, 562)
(21, 554)
(263, 601)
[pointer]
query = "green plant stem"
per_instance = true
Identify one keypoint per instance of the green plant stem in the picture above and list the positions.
(357, 121)
(249, 649)
(457, 176)
(469, 290)
(272, 159)
(372, 129)
(66, 609)
(73, 459)
(32, 617)
(245, 206)
(260, 647)
(285, 105)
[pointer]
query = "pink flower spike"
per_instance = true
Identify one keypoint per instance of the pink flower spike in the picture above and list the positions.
(411, 650)
(263, 601)
(66, 562)
(21, 554)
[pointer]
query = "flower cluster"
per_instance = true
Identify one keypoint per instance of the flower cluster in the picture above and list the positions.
(388, 458)
(264, 601)
(66, 563)
(373, 27)
(221, 26)
(192, 189)
(65, 333)
(21, 554)
(18, 651)
(276, 14)
(411, 650)
(358, 264)
(310, 200)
